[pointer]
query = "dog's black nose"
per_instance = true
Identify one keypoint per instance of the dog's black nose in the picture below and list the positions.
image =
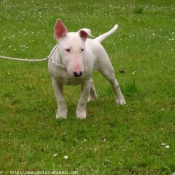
(76, 74)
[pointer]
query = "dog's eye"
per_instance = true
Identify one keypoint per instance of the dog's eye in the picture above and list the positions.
(67, 50)
(82, 50)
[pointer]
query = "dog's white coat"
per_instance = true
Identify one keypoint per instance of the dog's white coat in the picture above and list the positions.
(72, 63)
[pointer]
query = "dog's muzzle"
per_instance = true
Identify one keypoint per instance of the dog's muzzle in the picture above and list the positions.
(76, 74)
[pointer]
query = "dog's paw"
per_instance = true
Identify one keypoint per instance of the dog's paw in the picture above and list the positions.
(121, 101)
(61, 115)
(81, 115)
(91, 99)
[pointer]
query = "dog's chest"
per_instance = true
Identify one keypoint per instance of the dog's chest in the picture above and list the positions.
(70, 81)
(67, 80)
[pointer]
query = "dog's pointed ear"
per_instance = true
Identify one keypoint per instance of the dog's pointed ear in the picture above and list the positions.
(84, 33)
(60, 30)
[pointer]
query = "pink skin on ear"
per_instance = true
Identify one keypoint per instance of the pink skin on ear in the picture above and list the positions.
(60, 30)
(83, 34)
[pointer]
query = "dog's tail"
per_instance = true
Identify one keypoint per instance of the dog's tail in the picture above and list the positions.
(105, 35)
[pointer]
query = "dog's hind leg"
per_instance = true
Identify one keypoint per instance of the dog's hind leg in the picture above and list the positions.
(115, 86)
(105, 67)
(93, 94)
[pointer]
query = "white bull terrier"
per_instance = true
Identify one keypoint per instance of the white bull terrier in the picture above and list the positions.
(72, 62)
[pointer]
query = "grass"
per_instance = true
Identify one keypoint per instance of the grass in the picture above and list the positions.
(113, 139)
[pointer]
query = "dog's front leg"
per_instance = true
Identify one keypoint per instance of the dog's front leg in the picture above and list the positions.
(62, 108)
(85, 92)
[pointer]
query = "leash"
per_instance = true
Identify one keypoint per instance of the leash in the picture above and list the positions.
(54, 62)
(24, 60)
(49, 58)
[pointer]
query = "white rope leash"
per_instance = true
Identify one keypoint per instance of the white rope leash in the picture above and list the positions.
(25, 60)
(49, 58)
(30, 60)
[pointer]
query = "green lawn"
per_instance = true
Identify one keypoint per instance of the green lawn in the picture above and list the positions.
(138, 138)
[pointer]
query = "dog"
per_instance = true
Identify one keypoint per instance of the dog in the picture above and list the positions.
(72, 62)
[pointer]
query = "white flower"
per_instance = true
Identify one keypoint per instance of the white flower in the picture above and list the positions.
(134, 72)
(66, 157)
(165, 145)
(54, 155)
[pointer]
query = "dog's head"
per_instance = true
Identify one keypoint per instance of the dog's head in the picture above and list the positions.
(71, 48)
